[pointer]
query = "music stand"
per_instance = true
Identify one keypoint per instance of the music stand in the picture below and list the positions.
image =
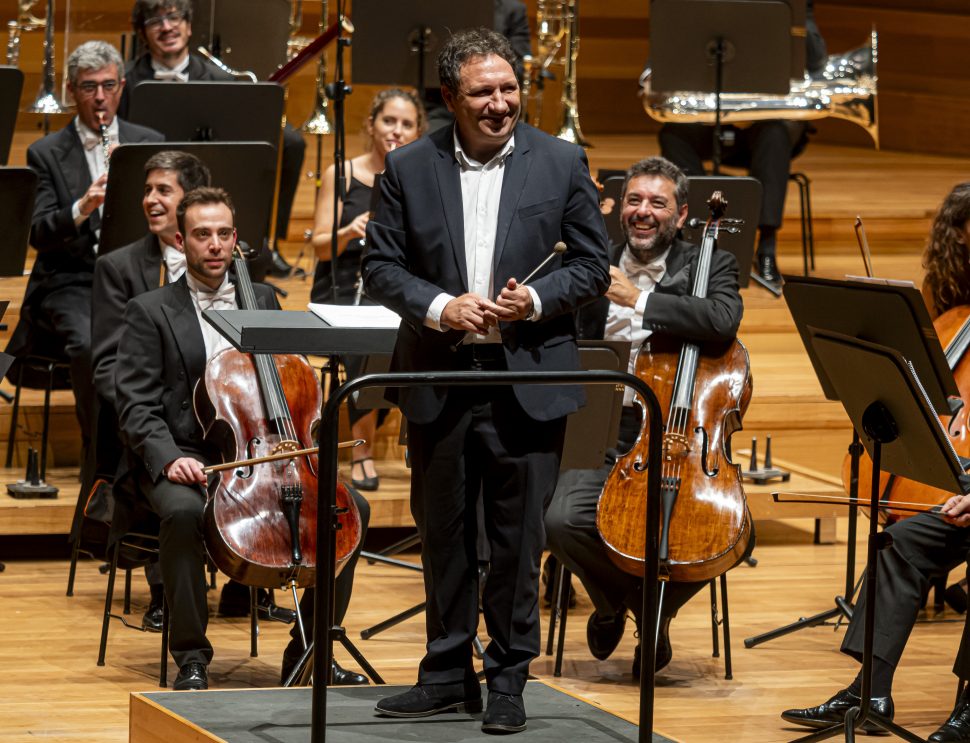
(884, 397)
(721, 46)
(11, 86)
(380, 57)
(887, 315)
(209, 111)
(743, 196)
(245, 34)
(244, 169)
(18, 186)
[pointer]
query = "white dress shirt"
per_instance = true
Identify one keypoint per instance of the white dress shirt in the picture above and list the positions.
(94, 156)
(481, 193)
(179, 73)
(204, 298)
(626, 323)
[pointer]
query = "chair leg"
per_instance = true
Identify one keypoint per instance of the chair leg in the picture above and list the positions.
(47, 421)
(127, 605)
(808, 220)
(726, 628)
(716, 651)
(108, 596)
(12, 436)
(253, 625)
(72, 572)
(554, 608)
(562, 603)
(163, 664)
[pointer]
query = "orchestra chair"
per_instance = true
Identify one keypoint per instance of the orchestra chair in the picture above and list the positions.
(804, 185)
(560, 608)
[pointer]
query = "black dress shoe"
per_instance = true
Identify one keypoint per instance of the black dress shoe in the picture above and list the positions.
(664, 652)
(604, 633)
(430, 699)
(152, 620)
(266, 609)
(192, 676)
(343, 677)
(833, 711)
(280, 268)
(367, 483)
(504, 714)
(768, 269)
(234, 602)
(957, 728)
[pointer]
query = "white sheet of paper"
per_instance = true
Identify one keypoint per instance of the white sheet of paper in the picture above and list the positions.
(349, 316)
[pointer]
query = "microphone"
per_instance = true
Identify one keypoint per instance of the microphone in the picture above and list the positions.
(558, 249)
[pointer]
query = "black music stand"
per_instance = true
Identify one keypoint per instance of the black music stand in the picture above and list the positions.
(11, 86)
(397, 43)
(721, 46)
(247, 35)
(888, 315)
(18, 186)
(885, 399)
(743, 196)
(245, 169)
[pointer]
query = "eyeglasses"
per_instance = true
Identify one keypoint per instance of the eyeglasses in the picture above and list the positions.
(173, 18)
(89, 87)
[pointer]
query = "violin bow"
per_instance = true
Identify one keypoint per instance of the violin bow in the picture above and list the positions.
(842, 500)
(277, 457)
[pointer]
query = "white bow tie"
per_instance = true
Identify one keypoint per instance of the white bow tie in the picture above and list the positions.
(179, 76)
(221, 299)
(655, 270)
(174, 262)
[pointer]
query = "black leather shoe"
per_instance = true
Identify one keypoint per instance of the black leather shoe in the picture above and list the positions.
(430, 699)
(343, 677)
(664, 652)
(504, 714)
(192, 676)
(367, 483)
(768, 269)
(152, 621)
(280, 268)
(266, 609)
(833, 712)
(957, 728)
(604, 633)
(234, 600)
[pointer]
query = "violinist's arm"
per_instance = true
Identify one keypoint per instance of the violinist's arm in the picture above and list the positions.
(322, 237)
(956, 510)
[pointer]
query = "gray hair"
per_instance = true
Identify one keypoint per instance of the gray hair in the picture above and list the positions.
(665, 169)
(463, 46)
(93, 55)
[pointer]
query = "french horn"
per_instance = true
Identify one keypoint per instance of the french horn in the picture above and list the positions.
(846, 88)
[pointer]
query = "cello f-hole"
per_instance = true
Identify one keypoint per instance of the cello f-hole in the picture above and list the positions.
(705, 450)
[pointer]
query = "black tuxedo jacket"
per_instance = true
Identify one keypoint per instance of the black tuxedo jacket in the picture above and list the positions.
(65, 252)
(140, 70)
(416, 250)
(118, 276)
(162, 357)
(671, 310)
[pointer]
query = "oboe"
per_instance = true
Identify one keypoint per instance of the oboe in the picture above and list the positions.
(105, 142)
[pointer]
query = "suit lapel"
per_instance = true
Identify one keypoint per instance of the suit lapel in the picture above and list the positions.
(449, 189)
(73, 164)
(513, 184)
(150, 263)
(184, 323)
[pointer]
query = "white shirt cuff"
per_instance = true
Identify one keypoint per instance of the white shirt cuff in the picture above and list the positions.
(76, 213)
(641, 304)
(536, 313)
(433, 318)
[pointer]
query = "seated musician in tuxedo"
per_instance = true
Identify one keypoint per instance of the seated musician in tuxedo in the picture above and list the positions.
(924, 547)
(652, 276)
(165, 27)
(72, 169)
(127, 272)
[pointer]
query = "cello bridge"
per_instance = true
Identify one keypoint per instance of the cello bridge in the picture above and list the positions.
(676, 446)
(285, 446)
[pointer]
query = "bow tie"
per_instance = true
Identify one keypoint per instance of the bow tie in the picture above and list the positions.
(178, 76)
(174, 262)
(221, 299)
(654, 270)
(89, 140)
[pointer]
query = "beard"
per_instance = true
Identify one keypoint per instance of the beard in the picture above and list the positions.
(646, 250)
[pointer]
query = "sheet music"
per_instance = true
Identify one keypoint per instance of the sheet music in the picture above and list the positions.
(350, 316)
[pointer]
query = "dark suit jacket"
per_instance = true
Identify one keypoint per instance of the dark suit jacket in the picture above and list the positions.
(671, 310)
(118, 276)
(416, 250)
(64, 251)
(140, 70)
(164, 357)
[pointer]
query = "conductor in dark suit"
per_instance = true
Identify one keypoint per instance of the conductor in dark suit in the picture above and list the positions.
(466, 213)
(165, 27)
(72, 170)
(652, 278)
(165, 345)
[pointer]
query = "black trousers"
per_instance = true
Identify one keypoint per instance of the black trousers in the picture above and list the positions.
(294, 147)
(573, 538)
(482, 445)
(766, 148)
(182, 562)
(924, 547)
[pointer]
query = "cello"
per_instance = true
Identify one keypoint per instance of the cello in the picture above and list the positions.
(706, 526)
(260, 519)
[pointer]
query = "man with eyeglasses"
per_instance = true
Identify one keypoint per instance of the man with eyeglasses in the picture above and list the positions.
(72, 168)
(164, 27)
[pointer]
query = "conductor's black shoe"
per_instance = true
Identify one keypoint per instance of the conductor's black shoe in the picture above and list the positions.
(833, 712)
(957, 728)
(604, 633)
(192, 676)
(152, 620)
(280, 268)
(430, 699)
(768, 269)
(343, 677)
(504, 714)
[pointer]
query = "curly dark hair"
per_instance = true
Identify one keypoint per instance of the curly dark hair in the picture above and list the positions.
(947, 255)
(142, 10)
(468, 44)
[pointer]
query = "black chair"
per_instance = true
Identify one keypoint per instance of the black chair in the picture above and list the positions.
(560, 608)
(808, 233)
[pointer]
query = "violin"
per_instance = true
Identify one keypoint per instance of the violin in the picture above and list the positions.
(260, 519)
(704, 391)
